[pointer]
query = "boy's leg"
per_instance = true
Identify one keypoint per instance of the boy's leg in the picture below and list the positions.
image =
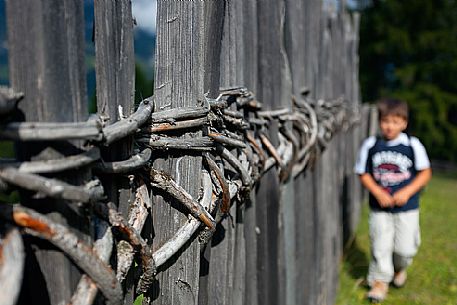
(407, 238)
(382, 246)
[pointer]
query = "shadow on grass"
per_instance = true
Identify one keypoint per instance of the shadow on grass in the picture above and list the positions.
(356, 260)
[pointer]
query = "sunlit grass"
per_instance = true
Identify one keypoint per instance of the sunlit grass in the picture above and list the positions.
(433, 275)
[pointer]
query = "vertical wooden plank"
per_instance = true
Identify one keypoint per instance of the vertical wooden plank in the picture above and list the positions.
(115, 78)
(250, 75)
(46, 58)
(179, 82)
(274, 90)
(227, 265)
(216, 269)
(305, 238)
(46, 62)
(327, 168)
(312, 33)
(115, 59)
(299, 209)
(351, 186)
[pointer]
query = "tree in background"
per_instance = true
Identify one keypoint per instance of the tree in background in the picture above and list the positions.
(408, 50)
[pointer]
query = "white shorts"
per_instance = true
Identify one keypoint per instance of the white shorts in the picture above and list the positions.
(395, 239)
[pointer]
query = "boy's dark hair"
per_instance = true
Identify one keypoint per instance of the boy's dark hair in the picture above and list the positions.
(388, 106)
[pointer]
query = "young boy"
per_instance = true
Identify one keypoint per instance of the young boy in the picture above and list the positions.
(393, 168)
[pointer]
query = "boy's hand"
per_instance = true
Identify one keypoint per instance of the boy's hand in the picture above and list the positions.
(384, 199)
(401, 197)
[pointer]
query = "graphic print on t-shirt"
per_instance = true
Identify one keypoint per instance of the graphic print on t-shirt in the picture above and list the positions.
(390, 168)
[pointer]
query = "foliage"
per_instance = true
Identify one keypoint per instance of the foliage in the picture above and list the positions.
(143, 85)
(139, 300)
(143, 89)
(408, 49)
(432, 279)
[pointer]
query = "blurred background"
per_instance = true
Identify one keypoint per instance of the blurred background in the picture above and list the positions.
(408, 50)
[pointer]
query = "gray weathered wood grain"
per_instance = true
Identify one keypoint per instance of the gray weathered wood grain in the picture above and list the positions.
(115, 77)
(46, 63)
(179, 82)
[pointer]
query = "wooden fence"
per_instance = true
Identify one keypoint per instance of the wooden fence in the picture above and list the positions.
(282, 244)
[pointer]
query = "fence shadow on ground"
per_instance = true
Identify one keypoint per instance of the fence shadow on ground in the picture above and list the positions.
(356, 260)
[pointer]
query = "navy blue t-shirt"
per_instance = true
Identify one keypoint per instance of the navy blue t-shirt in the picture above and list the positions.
(392, 165)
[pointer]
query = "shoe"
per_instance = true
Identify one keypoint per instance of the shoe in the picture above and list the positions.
(378, 292)
(400, 278)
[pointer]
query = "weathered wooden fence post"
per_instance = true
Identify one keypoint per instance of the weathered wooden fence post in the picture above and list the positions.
(115, 76)
(227, 250)
(300, 50)
(352, 189)
(249, 38)
(179, 82)
(46, 62)
(274, 90)
(218, 261)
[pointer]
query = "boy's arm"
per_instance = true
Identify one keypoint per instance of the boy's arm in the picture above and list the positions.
(384, 198)
(402, 196)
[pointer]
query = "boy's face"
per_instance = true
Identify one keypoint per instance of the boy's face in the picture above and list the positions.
(392, 125)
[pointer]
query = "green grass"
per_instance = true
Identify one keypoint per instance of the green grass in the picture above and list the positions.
(432, 278)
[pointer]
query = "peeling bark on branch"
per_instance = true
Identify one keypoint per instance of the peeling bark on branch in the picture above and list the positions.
(180, 113)
(84, 256)
(166, 183)
(12, 259)
(164, 143)
(86, 291)
(176, 125)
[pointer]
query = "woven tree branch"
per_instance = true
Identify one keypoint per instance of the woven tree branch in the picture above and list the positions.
(181, 113)
(176, 125)
(57, 165)
(52, 187)
(137, 218)
(223, 183)
(8, 99)
(230, 158)
(87, 289)
(121, 167)
(173, 245)
(271, 149)
(43, 131)
(12, 259)
(165, 182)
(84, 257)
(217, 137)
(165, 143)
(123, 128)
(109, 213)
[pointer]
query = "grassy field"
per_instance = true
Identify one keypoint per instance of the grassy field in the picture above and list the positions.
(432, 278)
